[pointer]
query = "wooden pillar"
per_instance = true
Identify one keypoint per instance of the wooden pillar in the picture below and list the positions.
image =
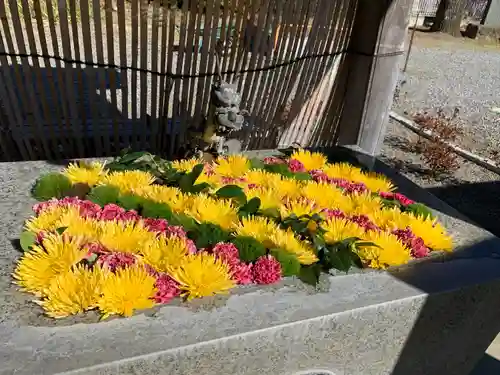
(375, 54)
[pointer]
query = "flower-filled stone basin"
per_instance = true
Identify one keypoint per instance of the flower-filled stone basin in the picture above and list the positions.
(140, 231)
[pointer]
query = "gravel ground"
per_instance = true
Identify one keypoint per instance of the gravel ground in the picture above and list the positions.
(471, 189)
(448, 75)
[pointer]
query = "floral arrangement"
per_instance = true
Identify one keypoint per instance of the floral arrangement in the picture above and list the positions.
(141, 230)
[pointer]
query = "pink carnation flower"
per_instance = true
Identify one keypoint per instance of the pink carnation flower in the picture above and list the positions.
(116, 260)
(156, 225)
(296, 165)
(89, 209)
(273, 160)
(319, 176)
(191, 246)
(129, 216)
(167, 287)
(227, 252)
(414, 243)
(111, 212)
(403, 199)
(364, 222)
(266, 270)
(329, 213)
(175, 230)
(95, 248)
(242, 272)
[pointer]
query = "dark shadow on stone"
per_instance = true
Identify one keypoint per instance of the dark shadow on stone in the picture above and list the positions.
(479, 201)
(16, 244)
(487, 366)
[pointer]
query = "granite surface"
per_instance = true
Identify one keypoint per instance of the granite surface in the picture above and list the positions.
(434, 317)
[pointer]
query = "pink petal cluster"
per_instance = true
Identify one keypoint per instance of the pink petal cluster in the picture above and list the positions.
(347, 186)
(414, 243)
(266, 270)
(228, 253)
(273, 160)
(87, 208)
(232, 180)
(252, 186)
(296, 165)
(111, 211)
(404, 200)
(167, 288)
(95, 248)
(329, 213)
(156, 225)
(364, 222)
(116, 260)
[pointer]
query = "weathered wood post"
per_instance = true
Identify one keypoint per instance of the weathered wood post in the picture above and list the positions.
(375, 53)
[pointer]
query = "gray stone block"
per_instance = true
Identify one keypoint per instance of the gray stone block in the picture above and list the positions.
(434, 317)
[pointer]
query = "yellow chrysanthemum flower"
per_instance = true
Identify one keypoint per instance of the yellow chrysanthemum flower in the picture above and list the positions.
(340, 229)
(310, 160)
(431, 231)
(41, 264)
(129, 181)
(73, 292)
(86, 228)
(286, 187)
(268, 198)
(85, 173)
(344, 171)
(388, 252)
(50, 218)
(257, 227)
(298, 207)
(287, 241)
(185, 165)
(165, 253)
(220, 212)
(389, 219)
(125, 236)
(262, 178)
(203, 275)
(128, 289)
(171, 196)
(364, 204)
(232, 166)
(325, 195)
(375, 182)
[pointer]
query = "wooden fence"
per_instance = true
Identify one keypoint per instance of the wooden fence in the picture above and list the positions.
(81, 79)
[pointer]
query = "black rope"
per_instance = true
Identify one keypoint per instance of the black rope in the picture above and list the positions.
(197, 75)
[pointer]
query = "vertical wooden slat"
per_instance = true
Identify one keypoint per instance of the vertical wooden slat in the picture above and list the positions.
(154, 78)
(262, 87)
(163, 69)
(112, 74)
(123, 37)
(70, 85)
(21, 76)
(48, 67)
(211, 57)
(191, 44)
(65, 133)
(133, 96)
(225, 25)
(178, 101)
(205, 51)
(143, 95)
(320, 73)
(102, 126)
(91, 82)
(11, 102)
(240, 8)
(36, 69)
(167, 109)
(285, 31)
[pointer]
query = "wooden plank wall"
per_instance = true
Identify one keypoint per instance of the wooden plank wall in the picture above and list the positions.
(52, 109)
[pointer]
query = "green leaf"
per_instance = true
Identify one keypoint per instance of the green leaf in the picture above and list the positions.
(256, 163)
(61, 230)
(310, 274)
(249, 248)
(188, 223)
(208, 234)
(271, 212)
(419, 209)
(133, 156)
(290, 265)
(196, 171)
(389, 203)
(278, 168)
(129, 201)
(27, 240)
(233, 192)
(341, 260)
(51, 185)
(156, 210)
(103, 195)
(301, 176)
(198, 188)
(251, 207)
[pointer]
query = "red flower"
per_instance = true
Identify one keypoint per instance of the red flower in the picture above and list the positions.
(273, 160)
(156, 225)
(116, 260)
(296, 165)
(364, 222)
(329, 213)
(167, 287)
(175, 230)
(227, 252)
(129, 216)
(414, 243)
(111, 212)
(266, 270)
(242, 272)
(319, 176)
(403, 199)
